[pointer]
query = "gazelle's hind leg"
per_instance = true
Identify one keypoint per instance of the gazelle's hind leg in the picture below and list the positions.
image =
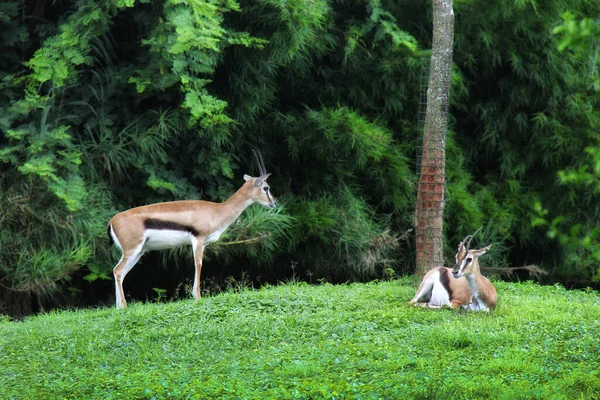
(125, 265)
(423, 292)
(198, 248)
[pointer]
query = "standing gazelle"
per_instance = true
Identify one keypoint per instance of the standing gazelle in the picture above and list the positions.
(177, 223)
(461, 286)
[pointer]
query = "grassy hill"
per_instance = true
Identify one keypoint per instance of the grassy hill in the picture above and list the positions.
(300, 341)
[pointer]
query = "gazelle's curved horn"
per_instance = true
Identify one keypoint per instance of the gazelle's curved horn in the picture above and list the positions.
(260, 161)
(470, 237)
(462, 242)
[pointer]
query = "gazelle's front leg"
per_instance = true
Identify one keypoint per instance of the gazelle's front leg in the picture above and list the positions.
(198, 247)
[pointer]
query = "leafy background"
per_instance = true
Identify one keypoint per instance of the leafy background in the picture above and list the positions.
(106, 105)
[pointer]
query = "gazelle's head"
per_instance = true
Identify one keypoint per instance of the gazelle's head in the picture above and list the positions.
(466, 259)
(259, 190)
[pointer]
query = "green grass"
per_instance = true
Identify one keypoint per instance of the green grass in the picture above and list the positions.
(302, 341)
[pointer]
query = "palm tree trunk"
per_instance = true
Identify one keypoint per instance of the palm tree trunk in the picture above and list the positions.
(429, 212)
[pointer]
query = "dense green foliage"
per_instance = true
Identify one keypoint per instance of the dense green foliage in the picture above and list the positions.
(105, 105)
(301, 341)
(537, 118)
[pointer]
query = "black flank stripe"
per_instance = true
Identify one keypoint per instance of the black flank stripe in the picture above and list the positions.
(445, 281)
(153, 223)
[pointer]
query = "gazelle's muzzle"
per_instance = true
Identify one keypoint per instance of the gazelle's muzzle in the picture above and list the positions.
(272, 202)
(457, 270)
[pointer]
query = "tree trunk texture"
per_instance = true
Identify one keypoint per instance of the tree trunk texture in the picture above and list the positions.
(429, 211)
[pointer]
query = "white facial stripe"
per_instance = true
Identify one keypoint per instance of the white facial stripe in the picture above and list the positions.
(463, 263)
(466, 261)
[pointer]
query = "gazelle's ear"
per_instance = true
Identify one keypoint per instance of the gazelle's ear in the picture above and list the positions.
(247, 178)
(481, 251)
(261, 179)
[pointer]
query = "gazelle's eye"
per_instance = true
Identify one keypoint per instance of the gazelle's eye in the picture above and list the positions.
(266, 189)
(469, 259)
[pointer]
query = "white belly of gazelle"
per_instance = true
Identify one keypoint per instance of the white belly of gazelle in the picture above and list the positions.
(160, 239)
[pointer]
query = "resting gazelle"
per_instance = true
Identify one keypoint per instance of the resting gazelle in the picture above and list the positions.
(177, 223)
(461, 286)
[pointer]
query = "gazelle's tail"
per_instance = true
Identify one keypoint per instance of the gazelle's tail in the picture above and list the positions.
(110, 238)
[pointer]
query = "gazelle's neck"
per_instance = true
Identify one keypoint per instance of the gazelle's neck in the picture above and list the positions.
(236, 204)
(473, 279)
(472, 282)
